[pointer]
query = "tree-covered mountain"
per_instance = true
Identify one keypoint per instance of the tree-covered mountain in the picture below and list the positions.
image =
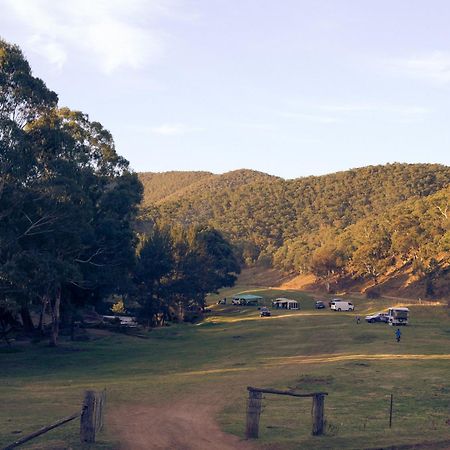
(160, 185)
(166, 187)
(296, 224)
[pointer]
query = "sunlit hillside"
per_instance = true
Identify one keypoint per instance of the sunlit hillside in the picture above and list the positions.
(361, 224)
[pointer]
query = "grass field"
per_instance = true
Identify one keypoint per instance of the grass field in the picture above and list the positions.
(358, 365)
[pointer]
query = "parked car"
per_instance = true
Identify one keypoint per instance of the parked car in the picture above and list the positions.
(124, 321)
(319, 304)
(378, 317)
(265, 312)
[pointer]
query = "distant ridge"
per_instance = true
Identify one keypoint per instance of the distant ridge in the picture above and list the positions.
(170, 186)
(366, 222)
(160, 185)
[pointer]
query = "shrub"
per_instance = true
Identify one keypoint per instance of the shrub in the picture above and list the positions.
(373, 293)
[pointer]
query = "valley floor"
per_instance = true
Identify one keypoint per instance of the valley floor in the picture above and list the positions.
(184, 386)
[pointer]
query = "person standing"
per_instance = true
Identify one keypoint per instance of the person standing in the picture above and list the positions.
(398, 334)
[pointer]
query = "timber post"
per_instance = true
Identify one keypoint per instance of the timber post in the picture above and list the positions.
(317, 412)
(253, 413)
(91, 420)
(390, 410)
(254, 409)
(87, 421)
(101, 407)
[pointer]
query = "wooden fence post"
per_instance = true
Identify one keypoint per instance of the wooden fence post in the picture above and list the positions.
(99, 408)
(87, 421)
(318, 407)
(253, 413)
(390, 410)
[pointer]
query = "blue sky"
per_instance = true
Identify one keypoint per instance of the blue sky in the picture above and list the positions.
(291, 88)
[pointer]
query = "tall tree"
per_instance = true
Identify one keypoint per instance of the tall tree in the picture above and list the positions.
(154, 266)
(67, 198)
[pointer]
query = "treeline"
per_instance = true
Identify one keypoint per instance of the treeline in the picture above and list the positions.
(176, 268)
(322, 224)
(68, 211)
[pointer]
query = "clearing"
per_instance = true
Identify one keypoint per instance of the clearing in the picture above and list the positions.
(184, 386)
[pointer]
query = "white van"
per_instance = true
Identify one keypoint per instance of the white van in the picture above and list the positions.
(342, 305)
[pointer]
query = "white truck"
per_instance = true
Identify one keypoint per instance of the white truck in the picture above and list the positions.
(398, 316)
(341, 305)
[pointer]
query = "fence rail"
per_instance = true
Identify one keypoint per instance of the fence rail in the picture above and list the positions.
(254, 409)
(91, 420)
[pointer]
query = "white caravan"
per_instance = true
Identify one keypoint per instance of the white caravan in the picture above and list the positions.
(341, 305)
(398, 316)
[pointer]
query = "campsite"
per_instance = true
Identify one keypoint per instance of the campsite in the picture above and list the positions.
(209, 364)
(224, 225)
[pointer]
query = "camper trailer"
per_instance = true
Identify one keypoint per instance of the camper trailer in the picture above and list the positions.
(398, 316)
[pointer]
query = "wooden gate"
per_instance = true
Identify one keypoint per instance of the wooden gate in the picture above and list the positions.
(254, 409)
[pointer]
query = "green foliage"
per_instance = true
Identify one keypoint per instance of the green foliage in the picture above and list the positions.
(177, 267)
(363, 222)
(67, 199)
(118, 307)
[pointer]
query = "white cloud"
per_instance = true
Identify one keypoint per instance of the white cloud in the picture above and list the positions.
(318, 118)
(405, 110)
(257, 126)
(50, 50)
(113, 34)
(173, 129)
(434, 67)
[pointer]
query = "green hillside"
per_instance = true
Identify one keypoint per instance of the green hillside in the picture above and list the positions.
(316, 224)
(171, 187)
(159, 185)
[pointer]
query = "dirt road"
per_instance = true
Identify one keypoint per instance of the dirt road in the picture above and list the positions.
(179, 426)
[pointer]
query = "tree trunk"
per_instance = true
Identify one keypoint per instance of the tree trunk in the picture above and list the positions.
(41, 316)
(429, 287)
(55, 310)
(27, 321)
(5, 332)
(72, 326)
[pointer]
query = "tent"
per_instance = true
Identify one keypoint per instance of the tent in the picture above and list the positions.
(285, 303)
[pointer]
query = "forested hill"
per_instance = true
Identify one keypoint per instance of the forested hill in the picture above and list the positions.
(171, 186)
(294, 223)
(160, 185)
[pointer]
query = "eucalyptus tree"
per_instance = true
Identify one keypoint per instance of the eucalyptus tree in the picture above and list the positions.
(67, 199)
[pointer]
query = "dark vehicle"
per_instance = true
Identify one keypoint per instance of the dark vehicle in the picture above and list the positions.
(378, 317)
(265, 312)
(319, 304)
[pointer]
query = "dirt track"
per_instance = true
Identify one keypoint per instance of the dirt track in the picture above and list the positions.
(181, 426)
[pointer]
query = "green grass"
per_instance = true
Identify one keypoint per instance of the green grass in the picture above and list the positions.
(307, 350)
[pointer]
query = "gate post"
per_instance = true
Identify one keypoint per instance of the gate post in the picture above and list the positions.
(253, 413)
(318, 407)
(87, 421)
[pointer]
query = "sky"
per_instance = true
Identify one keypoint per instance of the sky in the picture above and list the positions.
(288, 87)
